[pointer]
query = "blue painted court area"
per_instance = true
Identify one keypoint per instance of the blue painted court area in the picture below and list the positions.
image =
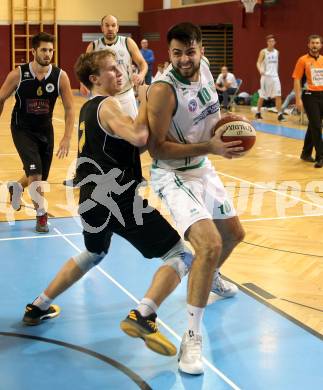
(246, 344)
(283, 131)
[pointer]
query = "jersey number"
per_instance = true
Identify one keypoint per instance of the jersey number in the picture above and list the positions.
(204, 96)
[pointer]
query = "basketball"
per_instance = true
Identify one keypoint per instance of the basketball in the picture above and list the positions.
(237, 128)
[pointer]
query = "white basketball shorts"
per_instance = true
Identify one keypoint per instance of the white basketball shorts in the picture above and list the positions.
(192, 195)
(269, 87)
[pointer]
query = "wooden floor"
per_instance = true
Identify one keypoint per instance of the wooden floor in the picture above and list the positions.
(279, 200)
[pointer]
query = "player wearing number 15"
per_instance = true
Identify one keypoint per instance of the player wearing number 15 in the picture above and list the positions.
(311, 65)
(183, 109)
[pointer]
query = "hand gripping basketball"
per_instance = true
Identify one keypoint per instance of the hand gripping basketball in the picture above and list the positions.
(237, 128)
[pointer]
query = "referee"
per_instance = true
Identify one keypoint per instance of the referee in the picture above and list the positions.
(311, 98)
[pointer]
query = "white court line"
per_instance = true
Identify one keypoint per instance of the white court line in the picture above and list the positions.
(170, 330)
(264, 187)
(37, 237)
(242, 220)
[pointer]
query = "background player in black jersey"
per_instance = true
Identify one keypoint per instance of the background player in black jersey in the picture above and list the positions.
(109, 171)
(37, 86)
(127, 53)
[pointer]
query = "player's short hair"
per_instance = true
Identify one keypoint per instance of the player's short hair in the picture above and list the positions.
(315, 36)
(270, 36)
(184, 32)
(41, 37)
(89, 64)
(102, 19)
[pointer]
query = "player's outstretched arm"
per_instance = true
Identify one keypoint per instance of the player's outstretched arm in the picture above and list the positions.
(68, 103)
(114, 120)
(10, 84)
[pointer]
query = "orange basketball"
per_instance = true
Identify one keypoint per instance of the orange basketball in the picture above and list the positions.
(237, 128)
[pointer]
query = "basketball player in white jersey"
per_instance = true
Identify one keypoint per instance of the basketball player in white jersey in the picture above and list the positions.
(183, 109)
(267, 65)
(126, 51)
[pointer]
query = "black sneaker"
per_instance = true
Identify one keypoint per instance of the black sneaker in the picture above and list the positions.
(307, 158)
(258, 116)
(34, 315)
(319, 163)
(281, 118)
(135, 325)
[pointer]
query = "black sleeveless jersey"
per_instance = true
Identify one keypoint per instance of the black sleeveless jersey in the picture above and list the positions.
(99, 149)
(35, 100)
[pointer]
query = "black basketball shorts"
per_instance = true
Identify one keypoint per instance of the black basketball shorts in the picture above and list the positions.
(153, 237)
(35, 150)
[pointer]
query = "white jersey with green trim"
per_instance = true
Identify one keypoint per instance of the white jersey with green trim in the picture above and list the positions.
(196, 114)
(270, 62)
(123, 58)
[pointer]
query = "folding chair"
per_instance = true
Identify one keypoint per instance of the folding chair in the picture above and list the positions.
(232, 97)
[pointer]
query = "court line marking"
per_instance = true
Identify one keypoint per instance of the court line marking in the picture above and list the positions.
(264, 187)
(79, 233)
(37, 237)
(170, 330)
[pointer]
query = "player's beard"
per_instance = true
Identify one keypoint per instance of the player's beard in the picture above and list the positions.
(42, 62)
(190, 72)
(110, 37)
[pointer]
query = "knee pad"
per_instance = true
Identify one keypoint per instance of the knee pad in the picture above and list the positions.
(180, 258)
(87, 260)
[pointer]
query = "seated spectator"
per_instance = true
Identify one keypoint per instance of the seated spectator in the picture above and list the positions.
(226, 85)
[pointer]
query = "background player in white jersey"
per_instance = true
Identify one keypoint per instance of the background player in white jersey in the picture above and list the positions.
(183, 109)
(267, 65)
(126, 51)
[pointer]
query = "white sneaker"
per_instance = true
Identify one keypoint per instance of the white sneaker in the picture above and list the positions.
(15, 191)
(222, 287)
(190, 354)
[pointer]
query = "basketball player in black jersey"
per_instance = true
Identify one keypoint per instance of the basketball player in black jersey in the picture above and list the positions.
(37, 86)
(109, 172)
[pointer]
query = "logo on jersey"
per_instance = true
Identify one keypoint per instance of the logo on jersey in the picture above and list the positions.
(39, 91)
(37, 106)
(192, 105)
(32, 167)
(26, 74)
(121, 53)
(50, 87)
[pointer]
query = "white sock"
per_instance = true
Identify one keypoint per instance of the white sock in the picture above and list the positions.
(42, 301)
(146, 307)
(195, 315)
(279, 113)
(40, 212)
